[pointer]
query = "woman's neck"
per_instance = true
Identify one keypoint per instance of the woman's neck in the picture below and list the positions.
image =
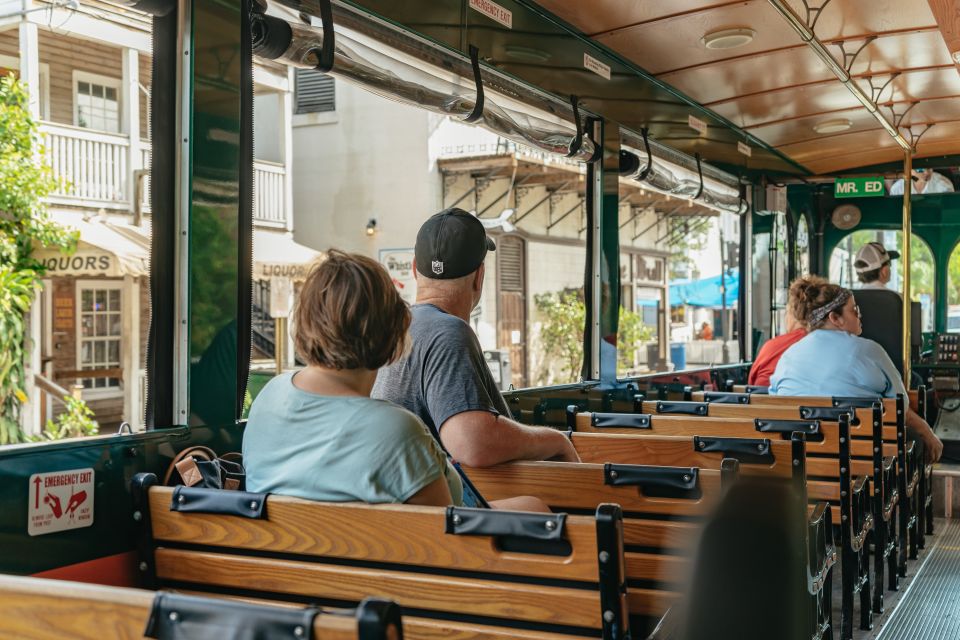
(331, 382)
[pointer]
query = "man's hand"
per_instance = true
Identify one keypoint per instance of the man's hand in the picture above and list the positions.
(933, 446)
(568, 452)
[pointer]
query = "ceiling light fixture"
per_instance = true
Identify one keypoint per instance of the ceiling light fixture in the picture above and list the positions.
(956, 57)
(832, 126)
(729, 38)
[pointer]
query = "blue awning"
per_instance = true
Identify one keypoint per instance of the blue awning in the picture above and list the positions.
(706, 292)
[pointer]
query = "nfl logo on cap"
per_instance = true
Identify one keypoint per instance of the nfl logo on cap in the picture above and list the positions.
(437, 267)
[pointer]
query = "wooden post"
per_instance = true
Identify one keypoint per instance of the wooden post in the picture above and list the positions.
(130, 122)
(279, 342)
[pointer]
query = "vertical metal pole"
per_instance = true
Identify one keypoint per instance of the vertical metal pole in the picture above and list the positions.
(181, 346)
(905, 261)
(279, 342)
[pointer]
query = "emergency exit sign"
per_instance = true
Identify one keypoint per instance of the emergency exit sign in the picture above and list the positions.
(857, 187)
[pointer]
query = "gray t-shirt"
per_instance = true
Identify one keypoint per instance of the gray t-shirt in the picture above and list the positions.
(444, 374)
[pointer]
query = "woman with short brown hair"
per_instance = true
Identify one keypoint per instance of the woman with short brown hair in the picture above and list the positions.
(316, 433)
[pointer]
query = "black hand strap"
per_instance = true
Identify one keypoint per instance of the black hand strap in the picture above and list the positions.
(577, 141)
(478, 81)
(646, 146)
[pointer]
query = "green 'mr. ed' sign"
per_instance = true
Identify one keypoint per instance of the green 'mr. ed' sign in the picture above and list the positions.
(857, 187)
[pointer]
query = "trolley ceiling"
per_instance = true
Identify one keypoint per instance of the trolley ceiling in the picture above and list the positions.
(775, 87)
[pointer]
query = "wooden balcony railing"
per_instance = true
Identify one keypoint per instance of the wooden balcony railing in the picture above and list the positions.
(92, 166)
(93, 169)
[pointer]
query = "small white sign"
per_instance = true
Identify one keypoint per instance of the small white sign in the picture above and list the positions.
(697, 124)
(515, 337)
(744, 149)
(60, 501)
(281, 291)
(399, 264)
(493, 11)
(591, 63)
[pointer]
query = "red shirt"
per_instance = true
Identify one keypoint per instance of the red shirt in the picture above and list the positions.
(766, 361)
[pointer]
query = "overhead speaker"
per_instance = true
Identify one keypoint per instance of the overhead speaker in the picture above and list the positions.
(846, 216)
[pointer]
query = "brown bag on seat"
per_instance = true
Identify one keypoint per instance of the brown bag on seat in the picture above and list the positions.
(200, 466)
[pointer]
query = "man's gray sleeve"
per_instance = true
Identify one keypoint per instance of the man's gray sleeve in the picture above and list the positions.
(453, 377)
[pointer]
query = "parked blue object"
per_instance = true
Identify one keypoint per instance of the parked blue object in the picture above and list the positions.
(678, 355)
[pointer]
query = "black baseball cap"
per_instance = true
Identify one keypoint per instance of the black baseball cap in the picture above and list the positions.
(451, 244)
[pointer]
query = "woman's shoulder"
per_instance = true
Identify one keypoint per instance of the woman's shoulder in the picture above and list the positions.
(390, 415)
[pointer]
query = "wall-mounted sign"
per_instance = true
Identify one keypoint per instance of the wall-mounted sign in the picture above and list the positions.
(493, 11)
(591, 63)
(81, 263)
(267, 271)
(697, 125)
(281, 293)
(63, 313)
(858, 187)
(60, 501)
(744, 149)
(399, 264)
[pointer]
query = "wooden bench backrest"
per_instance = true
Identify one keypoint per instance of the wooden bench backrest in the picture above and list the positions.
(329, 552)
(770, 412)
(689, 426)
(913, 395)
(40, 609)
(568, 486)
(889, 404)
(683, 451)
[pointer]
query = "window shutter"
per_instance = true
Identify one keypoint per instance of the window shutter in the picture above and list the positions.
(510, 263)
(315, 91)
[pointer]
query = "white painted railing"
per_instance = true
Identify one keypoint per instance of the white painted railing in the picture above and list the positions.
(145, 150)
(269, 205)
(93, 170)
(91, 166)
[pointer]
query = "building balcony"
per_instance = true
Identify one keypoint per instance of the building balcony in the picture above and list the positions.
(95, 171)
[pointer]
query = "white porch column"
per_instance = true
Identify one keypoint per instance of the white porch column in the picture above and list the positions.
(30, 65)
(30, 75)
(287, 115)
(130, 118)
(130, 360)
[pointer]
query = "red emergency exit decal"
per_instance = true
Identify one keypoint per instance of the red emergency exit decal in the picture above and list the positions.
(59, 501)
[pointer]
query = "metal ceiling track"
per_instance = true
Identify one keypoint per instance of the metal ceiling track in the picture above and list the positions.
(805, 30)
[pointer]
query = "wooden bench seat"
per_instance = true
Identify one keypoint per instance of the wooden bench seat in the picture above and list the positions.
(450, 565)
(663, 508)
(902, 479)
(44, 609)
(830, 474)
(916, 475)
(769, 458)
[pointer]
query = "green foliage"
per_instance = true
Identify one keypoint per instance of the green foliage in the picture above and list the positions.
(24, 225)
(561, 335)
(75, 422)
(631, 333)
(686, 237)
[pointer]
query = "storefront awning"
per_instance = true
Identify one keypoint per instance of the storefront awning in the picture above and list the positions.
(277, 255)
(105, 249)
(706, 292)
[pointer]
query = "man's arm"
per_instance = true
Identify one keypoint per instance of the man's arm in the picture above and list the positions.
(932, 444)
(483, 439)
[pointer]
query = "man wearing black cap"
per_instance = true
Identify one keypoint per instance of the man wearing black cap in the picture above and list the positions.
(445, 380)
